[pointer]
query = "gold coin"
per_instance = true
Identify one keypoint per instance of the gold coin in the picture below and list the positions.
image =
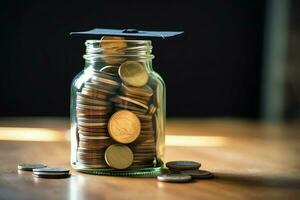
(113, 49)
(133, 73)
(118, 156)
(124, 126)
(112, 43)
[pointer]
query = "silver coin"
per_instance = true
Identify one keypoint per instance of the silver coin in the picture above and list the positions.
(30, 166)
(174, 178)
(198, 174)
(52, 176)
(51, 173)
(52, 170)
(183, 165)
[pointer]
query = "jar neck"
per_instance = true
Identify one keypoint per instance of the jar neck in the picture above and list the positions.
(100, 53)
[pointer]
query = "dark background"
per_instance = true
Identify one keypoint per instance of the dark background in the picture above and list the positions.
(214, 69)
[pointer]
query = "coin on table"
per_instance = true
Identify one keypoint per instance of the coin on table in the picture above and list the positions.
(51, 170)
(124, 126)
(174, 178)
(51, 175)
(118, 156)
(30, 166)
(183, 165)
(198, 174)
(133, 73)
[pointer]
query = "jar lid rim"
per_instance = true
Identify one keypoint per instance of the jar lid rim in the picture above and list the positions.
(128, 40)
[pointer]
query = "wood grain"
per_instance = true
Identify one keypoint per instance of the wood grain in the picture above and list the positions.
(253, 161)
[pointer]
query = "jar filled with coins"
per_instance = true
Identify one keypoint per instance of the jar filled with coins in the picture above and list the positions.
(118, 110)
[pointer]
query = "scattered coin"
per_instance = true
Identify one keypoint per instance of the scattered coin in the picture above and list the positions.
(118, 156)
(183, 165)
(30, 166)
(174, 178)
(52, 170)
(133, 73)
(124, 126)
(198, 174)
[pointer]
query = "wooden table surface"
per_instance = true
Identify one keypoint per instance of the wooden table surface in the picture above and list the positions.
(250, 161)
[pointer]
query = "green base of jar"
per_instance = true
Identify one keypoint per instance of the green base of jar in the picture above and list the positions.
(134, 172)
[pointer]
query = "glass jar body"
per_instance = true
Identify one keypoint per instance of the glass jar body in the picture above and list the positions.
(98, 93)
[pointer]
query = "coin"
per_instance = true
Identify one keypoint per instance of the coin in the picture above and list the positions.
(93, 166)
(30, 166)
(85, 150)
(52, 170)
(93, 137)
(133, 101)
(143, 117)
(93, 93)
(118, 156)
(90, 155)
(109, 72)
(100, 88)
(152, 109)
(92, 119)
(183, 165)
(54, 176)
(113, 42)
(174, 178)
(86, 133)
(110, 69)
(93, 161)
(133, 73)
(86, 100)
(112, 49)
(124, 126)
(113, 83)
(132, 108)
(145, 91)
(90, 112)
(198, 174)
(94, 145)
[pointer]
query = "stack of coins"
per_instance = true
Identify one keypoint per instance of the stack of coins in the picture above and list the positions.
(93, 111)
(136, 96)
(115, 113)
(184, 171)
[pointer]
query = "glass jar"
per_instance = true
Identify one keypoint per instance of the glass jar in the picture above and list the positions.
(118, 110)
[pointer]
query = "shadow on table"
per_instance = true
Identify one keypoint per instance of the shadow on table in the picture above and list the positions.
(260, 180)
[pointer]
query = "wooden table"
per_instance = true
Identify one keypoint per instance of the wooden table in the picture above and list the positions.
(250, 160)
